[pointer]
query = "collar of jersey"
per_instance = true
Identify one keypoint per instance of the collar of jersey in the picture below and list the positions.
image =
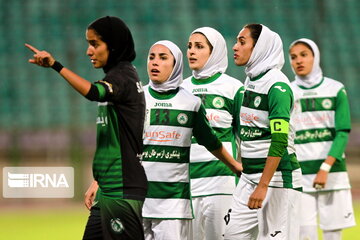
(205, 80)
(259, 76)
(315, 86)
(163, 95)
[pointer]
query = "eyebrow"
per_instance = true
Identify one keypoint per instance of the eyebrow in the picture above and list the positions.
(161, 54)
(195, 42)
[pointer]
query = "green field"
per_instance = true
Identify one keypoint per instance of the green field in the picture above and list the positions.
(43, 224)
(69, 222)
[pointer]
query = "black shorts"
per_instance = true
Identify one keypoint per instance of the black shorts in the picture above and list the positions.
(115, 219)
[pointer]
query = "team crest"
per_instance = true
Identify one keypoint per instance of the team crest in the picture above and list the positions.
(116, 225)
(257, 101)
(218, 102)
(182, 118)
(326, 103)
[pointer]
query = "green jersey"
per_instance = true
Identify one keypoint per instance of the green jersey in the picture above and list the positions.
(268, 97)
(323, 113)
(221, 96)
(172, 118)
(116, 166)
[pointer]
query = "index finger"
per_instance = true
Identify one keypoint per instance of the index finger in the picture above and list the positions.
(32, 48)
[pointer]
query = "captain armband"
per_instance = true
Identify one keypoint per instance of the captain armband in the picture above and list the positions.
(279, 126)
(279, 137)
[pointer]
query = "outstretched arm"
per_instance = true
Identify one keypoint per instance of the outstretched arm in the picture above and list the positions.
(45, 59)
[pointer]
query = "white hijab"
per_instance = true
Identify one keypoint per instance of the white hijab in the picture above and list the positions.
(267, 54)
(218, 60)
(316, 75)
(176, 77)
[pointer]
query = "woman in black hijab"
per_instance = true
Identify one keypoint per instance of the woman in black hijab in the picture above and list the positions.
(119, 178)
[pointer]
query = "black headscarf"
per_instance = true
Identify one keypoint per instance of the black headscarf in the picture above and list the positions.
(114, 32)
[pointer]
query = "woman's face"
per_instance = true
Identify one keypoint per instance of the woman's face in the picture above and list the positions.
(302, 59)
(160, 63)
(97, 49)
(198, 51)
(243, 47)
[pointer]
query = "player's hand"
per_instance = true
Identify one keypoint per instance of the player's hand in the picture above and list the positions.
(90, 194)
(237, 169)
(41, 58)
(320, 179)
(257, 197)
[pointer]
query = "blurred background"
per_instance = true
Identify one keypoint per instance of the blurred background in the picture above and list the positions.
(44, 122)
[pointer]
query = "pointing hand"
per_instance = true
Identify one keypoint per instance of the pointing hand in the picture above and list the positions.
(41, 58)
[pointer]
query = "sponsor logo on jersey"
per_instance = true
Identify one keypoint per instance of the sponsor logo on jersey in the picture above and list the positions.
(162, 104)
(199, 90)
(248, 118)
(182, 118)
(317, 134)
(162, 136)
(218, 102)
(326, 103)
(213, 117)
(257, 101)
(312, 120)
(163, 154)
(116, 225)
(250, 133)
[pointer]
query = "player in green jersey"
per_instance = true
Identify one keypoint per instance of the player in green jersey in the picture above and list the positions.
(121, 111)
(266, 201)
(174, 115)
(212, 184)
(322, 125)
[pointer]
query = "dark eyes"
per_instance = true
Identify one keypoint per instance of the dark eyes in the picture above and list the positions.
(198, 46)
(152, 57)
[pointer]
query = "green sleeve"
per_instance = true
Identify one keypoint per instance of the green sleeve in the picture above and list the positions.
(342, 125)
(342, 112)
(281, 100)
(339, 144)
(101, 89)
(203, 133)
(280, 103)
(236, 111)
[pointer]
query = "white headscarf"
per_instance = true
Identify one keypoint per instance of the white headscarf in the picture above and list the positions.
(176, 77)
(218, 60)
(316, 75)
(267, 54)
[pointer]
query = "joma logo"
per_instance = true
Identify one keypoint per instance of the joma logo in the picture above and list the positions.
(163, 105)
